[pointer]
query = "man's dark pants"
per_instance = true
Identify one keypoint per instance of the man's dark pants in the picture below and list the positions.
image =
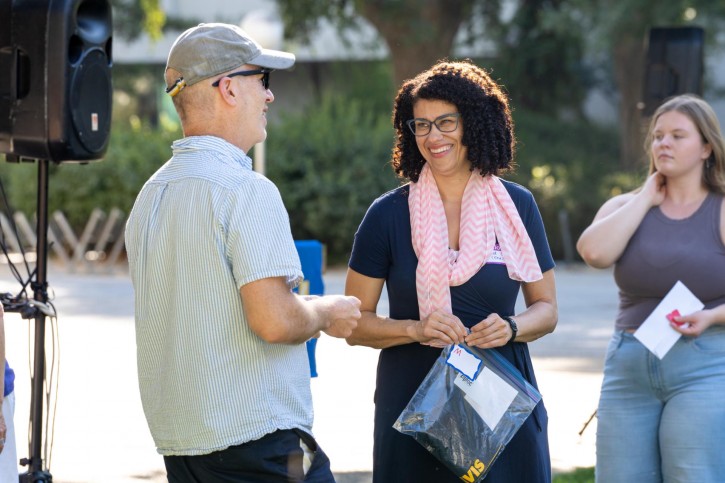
(275, 458)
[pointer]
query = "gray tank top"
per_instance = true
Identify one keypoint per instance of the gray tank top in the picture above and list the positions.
(663, 251)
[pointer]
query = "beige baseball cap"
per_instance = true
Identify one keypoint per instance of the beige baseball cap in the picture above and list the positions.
(210, 49)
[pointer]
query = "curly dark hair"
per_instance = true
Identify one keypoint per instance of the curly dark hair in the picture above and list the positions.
(488, 130)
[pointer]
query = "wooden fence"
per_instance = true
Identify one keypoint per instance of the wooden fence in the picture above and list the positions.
(99, 248)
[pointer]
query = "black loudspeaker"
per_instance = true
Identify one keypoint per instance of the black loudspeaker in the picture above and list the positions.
(674, 64)
(55, 86)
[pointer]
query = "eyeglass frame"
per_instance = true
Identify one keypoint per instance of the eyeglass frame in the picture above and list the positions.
(264, 71)
(411, 123)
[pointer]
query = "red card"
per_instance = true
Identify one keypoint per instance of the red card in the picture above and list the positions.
(671, 317)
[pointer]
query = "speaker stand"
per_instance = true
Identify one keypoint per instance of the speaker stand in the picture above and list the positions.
(35, 473)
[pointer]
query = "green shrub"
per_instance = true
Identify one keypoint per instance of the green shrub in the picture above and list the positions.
(571, 167)
(330, 162)
(134, 153)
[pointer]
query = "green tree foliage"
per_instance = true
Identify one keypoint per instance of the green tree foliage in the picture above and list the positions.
(329, 163)
(540, 58)
(571, 168)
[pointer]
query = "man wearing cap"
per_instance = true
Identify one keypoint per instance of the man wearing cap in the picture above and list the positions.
(223, 369)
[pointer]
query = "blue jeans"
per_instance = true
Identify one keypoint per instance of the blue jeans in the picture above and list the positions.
(663, 420)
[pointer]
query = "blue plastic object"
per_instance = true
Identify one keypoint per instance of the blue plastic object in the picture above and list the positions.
(310, 252)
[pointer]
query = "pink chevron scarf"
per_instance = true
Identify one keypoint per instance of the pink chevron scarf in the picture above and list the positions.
(488, 214)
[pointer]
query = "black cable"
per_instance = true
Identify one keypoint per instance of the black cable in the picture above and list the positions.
(20, 301)
(11, 220)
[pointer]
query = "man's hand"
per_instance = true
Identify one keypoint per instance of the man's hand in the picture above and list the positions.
(344, 312)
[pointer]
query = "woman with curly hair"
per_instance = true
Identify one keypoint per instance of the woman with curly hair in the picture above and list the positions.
(661, 419)
(453, 247)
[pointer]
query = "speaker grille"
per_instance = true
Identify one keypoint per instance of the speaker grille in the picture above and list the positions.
(90, 101)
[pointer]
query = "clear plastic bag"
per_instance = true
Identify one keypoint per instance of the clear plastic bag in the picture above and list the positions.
(467, 409)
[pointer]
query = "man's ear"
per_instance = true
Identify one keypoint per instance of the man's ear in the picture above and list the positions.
(229, 90)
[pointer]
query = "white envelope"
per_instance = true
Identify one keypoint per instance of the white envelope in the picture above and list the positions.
(489, 395)
(655, 332)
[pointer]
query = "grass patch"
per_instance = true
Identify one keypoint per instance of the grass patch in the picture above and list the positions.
(579, 475)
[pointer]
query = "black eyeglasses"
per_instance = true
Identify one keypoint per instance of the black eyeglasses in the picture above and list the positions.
(444, 123)
(265, 76)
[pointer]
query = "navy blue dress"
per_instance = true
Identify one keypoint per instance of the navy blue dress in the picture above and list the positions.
(383, 249)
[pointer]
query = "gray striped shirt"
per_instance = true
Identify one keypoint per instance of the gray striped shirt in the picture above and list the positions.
(204, 225)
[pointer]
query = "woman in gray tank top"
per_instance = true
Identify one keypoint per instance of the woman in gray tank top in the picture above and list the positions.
(661, 418)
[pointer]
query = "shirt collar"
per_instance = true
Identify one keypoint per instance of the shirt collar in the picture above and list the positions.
(195, 145)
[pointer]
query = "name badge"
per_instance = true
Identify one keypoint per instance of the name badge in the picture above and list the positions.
(496, 256)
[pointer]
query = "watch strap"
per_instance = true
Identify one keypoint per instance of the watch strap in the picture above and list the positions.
(512, 324)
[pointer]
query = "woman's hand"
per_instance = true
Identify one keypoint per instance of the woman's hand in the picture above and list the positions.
(439, 329)
(655, 188)
(493, 331)
(694, 324)
(603, 242)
